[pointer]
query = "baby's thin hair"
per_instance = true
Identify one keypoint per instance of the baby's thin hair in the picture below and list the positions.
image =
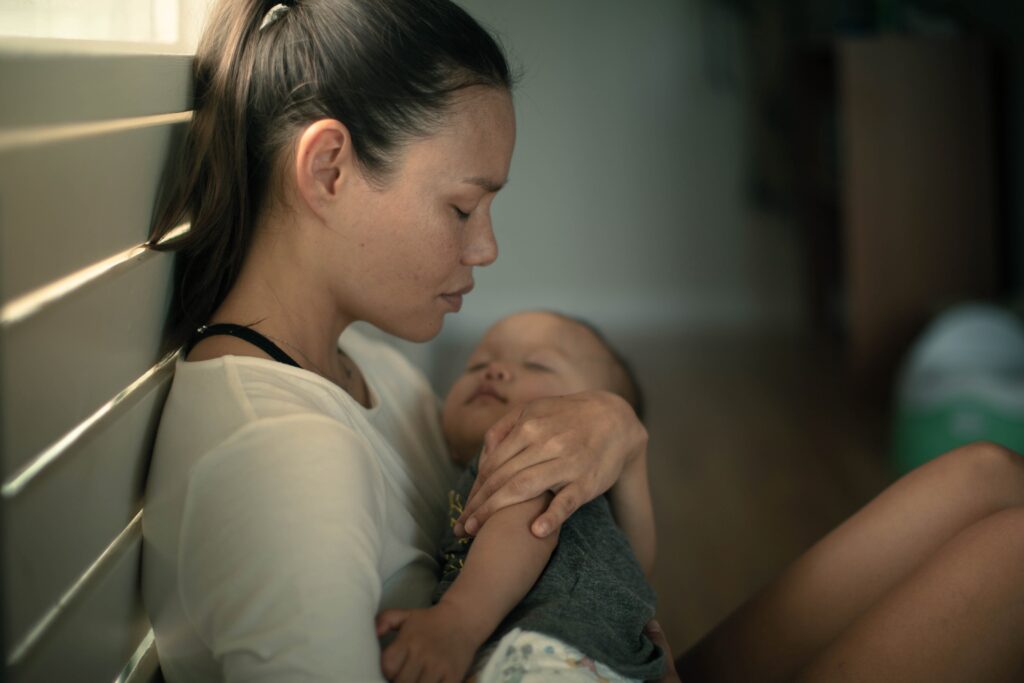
(634, 394)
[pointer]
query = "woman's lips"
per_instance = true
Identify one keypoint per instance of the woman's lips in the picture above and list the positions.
(454, 299)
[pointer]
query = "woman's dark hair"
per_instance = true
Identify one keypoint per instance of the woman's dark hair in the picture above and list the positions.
(387, 69)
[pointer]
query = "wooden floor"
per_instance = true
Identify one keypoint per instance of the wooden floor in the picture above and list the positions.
(758, 447)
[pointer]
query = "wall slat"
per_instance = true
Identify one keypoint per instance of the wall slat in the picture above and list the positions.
(97, 636)
(56, 527)
(85, 140)
(41, 89)
(70, 203)
(62, 364)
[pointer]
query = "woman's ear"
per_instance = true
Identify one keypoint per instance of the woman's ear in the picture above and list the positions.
(324, 161)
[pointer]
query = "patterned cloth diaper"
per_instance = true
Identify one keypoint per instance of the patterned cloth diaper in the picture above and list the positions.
(531, 657)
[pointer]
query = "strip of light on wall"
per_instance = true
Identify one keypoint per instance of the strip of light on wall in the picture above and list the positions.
(45, 459)
(45, 135)
(29, 304)
(113, 551)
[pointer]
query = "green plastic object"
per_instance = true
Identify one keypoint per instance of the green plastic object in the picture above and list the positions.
(922, 434)
(962, 382)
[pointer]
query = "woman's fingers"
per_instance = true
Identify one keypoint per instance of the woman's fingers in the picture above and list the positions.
(494, 458)
(522, 435)
(499, 430)
(566, 502)
(523, 489)
(525, 485)
(657, 636)
(459, 528)
(586, 438)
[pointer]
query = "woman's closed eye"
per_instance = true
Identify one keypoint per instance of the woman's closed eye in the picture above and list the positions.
(460, 214)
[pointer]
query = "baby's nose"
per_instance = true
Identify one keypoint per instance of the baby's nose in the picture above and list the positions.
(496, 372)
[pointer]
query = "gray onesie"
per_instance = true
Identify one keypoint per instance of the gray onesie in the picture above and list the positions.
(592, 594)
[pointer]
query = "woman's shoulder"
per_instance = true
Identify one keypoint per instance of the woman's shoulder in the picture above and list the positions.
(295, 445)
(219, 408)
(249, 388)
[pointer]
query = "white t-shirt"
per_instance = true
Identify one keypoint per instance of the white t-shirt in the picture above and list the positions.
(281, 516)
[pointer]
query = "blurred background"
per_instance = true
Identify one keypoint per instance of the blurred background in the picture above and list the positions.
(765, 205)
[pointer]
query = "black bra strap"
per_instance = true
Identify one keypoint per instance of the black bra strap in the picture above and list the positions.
(244, 333)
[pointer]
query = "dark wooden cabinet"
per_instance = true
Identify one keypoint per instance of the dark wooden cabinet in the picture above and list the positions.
(913, 196)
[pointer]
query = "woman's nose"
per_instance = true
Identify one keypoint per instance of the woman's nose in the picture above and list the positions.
(481, 248)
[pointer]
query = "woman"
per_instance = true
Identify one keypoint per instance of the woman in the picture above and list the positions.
(340, 166)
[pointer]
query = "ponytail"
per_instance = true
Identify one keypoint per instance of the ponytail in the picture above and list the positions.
(385, 68)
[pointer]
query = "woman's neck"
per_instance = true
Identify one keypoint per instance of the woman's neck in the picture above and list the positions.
(280, 297)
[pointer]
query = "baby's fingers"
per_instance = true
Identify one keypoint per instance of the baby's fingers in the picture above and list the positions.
(411, 668)
(391, 620)
(392, 659)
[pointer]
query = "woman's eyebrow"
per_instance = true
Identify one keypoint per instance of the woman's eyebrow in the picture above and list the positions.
(486, 183)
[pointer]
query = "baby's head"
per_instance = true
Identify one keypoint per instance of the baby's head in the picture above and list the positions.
(527, 356)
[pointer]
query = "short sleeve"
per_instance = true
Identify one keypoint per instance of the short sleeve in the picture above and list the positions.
(280, 548)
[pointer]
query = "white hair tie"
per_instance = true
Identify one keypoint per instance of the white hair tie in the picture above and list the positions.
(273, 14)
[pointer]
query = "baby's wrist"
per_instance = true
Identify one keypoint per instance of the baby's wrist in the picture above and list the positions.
(474, 623)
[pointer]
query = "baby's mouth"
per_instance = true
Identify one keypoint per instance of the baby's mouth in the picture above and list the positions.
(483, 391)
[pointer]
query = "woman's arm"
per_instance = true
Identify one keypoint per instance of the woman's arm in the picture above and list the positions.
(280, 548)
(502, 565)
(576, 445)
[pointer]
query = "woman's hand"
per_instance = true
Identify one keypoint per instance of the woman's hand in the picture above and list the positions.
(654, 632)
(575, 446)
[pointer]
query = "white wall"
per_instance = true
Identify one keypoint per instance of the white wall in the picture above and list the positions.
(103, 26)
(626, 201)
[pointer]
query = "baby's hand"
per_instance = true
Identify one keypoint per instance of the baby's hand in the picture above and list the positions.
(433, 644)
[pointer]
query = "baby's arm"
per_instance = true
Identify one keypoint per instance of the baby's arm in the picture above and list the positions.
(634, 513)
(502, 565)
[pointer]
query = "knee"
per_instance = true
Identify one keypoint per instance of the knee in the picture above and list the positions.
(989, 466)
(1006, 529)
(993, 457)
(1015, 521)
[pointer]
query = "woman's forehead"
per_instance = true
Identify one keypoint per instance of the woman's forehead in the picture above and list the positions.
(474, 145)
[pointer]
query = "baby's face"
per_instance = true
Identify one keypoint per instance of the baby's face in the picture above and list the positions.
(521, 358)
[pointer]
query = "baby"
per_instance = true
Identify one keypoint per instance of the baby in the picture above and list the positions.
(573, 604)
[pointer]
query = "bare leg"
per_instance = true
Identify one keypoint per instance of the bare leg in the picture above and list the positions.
(845, 574)
(959, 617)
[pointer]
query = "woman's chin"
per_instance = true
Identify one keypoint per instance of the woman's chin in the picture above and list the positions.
(416, 331)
